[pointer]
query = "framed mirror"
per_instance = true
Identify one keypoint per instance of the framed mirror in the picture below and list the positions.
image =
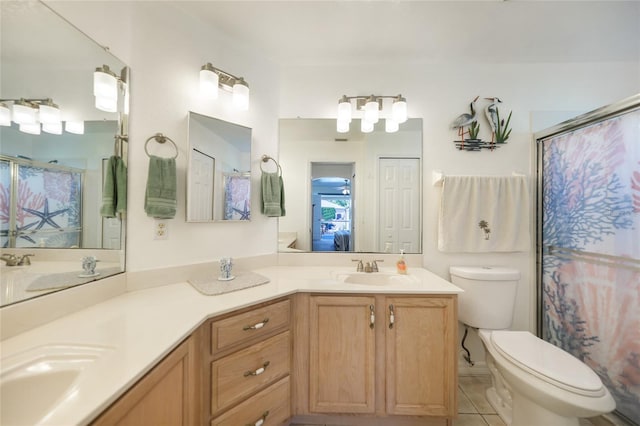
(52, 173)
(219, 170)
(352, 192)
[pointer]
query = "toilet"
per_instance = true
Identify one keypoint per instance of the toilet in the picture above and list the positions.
(534, 383)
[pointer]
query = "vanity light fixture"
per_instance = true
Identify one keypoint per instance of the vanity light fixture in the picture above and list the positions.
(212, 79)
(30, 114)
(372, 109)
(106, 86)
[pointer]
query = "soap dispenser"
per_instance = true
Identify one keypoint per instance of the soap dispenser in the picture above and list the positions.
(401, 265)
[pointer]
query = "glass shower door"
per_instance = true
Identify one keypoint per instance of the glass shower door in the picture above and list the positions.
(589, 249)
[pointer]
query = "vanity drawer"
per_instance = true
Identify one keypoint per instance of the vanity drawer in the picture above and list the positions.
(271, 404)
(235, 377)
(249, 326)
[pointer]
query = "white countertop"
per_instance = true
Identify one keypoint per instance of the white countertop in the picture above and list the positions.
(139, 328)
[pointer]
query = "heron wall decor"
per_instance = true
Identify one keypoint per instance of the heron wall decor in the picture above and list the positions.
(468, 127)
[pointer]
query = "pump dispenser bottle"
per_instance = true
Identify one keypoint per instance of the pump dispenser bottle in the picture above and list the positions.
(401, 265)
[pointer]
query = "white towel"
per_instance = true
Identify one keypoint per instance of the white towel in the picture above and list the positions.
(484, 214)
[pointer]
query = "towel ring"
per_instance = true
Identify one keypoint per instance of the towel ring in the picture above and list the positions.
(160, 138)
(266, 158)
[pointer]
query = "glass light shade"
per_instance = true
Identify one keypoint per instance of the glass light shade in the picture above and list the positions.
(344, 110)
(107, 104)
(209, 82)
(342, 126)
(30, 128)
(371, 113)
(24, 113)
(365, 126)
(241, 95)
(105, 83)
(5, 115)
(53, 128)
(399, 110)
(49, 113)
(75, 127)
(391, 125)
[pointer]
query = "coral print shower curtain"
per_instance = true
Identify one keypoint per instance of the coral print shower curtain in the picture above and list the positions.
(590, 250)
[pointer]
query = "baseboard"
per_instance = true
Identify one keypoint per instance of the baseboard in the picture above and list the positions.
(479, 368)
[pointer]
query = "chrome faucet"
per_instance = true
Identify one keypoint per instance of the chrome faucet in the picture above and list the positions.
(12, 260)
(374, 265)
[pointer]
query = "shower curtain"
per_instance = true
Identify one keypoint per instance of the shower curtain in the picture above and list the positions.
(589, 247)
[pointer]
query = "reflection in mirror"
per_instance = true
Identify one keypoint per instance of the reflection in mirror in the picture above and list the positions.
(52, 172)
(219, 171)
(353, 191)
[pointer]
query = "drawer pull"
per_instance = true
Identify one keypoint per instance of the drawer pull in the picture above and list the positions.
(392, 316)
(258, 372)
(260, 421)
(372, 316)
(256, 326)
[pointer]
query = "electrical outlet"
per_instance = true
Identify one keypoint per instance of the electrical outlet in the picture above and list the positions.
(161, 230)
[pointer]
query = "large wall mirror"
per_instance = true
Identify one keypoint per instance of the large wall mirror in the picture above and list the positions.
(52, 172)
(219, 171)
(351, 192)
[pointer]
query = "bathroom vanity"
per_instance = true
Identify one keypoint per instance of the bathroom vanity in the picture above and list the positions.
(302, 348)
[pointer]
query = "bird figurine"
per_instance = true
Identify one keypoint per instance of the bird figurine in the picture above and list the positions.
(491, 112)
(464, 120)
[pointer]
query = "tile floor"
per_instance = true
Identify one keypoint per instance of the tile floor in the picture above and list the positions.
(475, 410)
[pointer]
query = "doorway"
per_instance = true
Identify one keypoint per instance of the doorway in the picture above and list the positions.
(332, 209)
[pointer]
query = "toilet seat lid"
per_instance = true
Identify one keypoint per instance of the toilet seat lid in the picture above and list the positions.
(547, 361)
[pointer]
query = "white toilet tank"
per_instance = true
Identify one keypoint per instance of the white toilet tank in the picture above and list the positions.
(489, 295)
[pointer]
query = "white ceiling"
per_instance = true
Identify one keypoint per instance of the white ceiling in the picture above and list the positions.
(336, 32)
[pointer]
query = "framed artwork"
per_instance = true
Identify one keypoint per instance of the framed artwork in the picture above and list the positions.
(237, 196)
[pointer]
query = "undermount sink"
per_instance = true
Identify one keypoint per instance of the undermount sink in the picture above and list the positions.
(373, 278)
(33, 383)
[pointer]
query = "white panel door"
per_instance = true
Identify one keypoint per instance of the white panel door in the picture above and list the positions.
(399, 205)
(201, 171)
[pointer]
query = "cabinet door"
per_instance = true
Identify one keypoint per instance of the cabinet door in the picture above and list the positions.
(420, 356)
(342, 354)
(167, 395)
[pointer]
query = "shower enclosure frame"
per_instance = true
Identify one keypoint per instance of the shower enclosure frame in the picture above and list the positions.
(625, 106)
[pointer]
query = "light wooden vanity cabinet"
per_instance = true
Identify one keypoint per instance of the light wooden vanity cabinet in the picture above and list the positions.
(247, 366)
(376, 355)
(168, 395)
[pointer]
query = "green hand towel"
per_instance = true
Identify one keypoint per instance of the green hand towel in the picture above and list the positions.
(114, 193)
(160, 196)
(272, 195)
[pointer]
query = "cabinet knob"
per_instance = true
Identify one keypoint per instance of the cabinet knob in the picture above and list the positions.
(257, 372)
(260, 421)
(256, 326)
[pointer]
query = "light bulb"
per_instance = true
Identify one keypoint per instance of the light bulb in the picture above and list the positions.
(24, 112)
(5, 115)
(75, 127)
(30, 128)
(390, 125)
(209, 80)
(342, 126)
(53, 128)
(371, 113)
(241, 94)
(344, 110)
(105, 83)
(49, 112)
(365, 126)
(106, 104)
(399, 109)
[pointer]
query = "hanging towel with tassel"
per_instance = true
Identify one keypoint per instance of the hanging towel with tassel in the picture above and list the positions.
(484, 214)
(114, 192)
(272, 195)
(160, 196)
